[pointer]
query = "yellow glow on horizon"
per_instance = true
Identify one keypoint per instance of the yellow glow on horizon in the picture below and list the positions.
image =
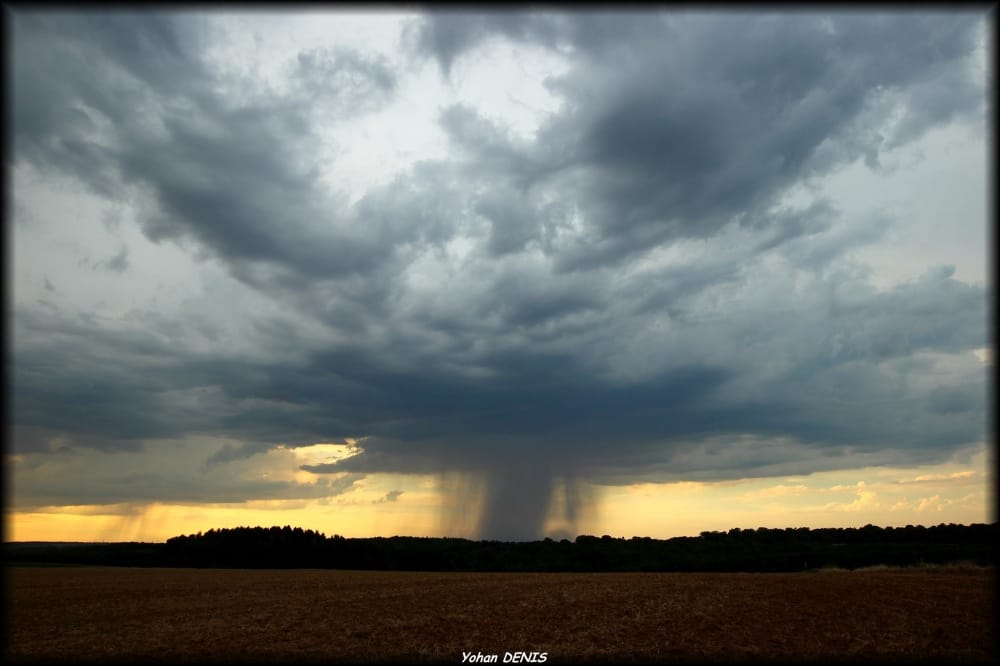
(952, 492)
(361, 512)
(387, 505)
(158, 522)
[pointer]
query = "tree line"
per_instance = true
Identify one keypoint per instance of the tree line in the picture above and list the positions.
(751, 550)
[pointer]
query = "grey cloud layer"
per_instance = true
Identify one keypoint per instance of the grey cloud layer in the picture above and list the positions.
(672, 136)
(630, 288)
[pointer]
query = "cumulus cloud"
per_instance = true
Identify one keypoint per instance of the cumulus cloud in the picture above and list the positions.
(627, 295)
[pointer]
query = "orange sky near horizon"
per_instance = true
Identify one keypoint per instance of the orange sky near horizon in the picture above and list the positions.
(953, 492)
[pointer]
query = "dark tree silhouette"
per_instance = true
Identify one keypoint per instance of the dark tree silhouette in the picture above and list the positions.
(762, 549)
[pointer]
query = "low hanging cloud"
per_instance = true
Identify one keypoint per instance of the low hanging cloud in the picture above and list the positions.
(167, 472)
(390, 496)
(627, 295)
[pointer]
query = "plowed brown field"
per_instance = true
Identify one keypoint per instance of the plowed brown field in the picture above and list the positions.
(89, 614)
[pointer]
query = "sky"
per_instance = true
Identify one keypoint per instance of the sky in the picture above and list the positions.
(496, 275)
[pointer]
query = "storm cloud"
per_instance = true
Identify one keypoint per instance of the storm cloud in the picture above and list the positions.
(652, 285)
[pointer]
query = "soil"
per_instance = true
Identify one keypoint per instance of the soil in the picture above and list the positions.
(110, 614)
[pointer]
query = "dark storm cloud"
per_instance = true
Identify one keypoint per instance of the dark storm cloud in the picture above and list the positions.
(666, 135)
(488, 146)
(619, 296)
(239, 177)
(83, 383)
(75, 385)
(832, 390)
(452, 33)
(96, 67)
(164, 474)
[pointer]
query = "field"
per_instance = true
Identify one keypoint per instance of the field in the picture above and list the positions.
(102, 614)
